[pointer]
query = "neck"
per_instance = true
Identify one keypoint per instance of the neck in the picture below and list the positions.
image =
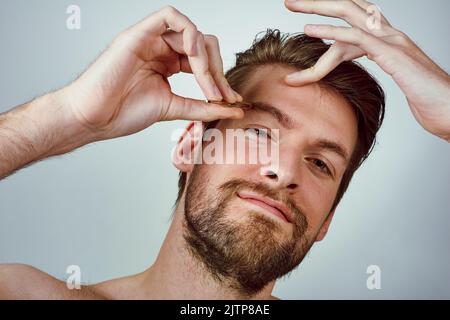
(177, 274)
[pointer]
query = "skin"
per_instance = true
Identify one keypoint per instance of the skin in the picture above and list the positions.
(126, 90)
(176, 274)
(316, 114)
(426, 86)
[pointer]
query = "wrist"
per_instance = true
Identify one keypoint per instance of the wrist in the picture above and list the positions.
(64, 132)
(39, 129)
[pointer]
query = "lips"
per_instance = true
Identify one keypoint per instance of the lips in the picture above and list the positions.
(275, 207)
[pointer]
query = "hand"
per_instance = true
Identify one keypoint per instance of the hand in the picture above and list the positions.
(126, 89)
(425, 84)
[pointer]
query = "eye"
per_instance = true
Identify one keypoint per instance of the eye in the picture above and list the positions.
(321, 165)
(261, 133)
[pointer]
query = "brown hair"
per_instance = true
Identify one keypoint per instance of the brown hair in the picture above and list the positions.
(349, 79)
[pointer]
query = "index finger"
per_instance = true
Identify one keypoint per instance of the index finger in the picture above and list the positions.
(169, 18)
(326, 63)
(355, 12)
(346, 10)
(337, 53)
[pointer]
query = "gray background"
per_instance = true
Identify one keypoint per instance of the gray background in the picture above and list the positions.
(106, 207)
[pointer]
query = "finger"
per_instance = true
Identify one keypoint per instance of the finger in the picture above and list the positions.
(190, 109)
(346, 10)
(216, 69)
(175, 41)
(184, 64)
(199, 64)
(169, 18)
(193, 45)
(334, 56)
(327, 62)
(231, 96)
(200, 68)
(372, 46)
(371, 7)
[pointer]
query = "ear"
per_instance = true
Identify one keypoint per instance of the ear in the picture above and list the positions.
(324, 229)
(186, 152)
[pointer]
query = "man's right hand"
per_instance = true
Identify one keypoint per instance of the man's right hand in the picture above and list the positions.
(126, 89)
(123, 92)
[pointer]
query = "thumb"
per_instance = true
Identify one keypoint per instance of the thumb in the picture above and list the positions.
(181, 108)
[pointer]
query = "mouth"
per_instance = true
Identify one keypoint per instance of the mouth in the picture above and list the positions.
(269, 205)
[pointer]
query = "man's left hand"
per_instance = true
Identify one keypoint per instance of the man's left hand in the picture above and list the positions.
(425, 84)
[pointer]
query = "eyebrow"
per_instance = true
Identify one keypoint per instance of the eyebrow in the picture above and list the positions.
(282, 118)
(332, 146)
(286, 121)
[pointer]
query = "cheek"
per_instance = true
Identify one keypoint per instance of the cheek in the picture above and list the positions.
(317, 198)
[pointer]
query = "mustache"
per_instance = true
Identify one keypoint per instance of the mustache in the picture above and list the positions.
(233, 186)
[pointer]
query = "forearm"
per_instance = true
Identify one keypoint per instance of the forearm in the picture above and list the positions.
(36, 130)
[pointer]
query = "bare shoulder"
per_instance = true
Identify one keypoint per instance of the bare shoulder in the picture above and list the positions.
(20, 281)
(126, 288)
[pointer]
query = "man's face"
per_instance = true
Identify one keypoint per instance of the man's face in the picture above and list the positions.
(252, 226)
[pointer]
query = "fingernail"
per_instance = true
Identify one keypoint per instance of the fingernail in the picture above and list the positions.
(311, 28)
(217, 94)
(238, 96)
(294, 76)
(239, 113)
(231, 92)
(234, 93)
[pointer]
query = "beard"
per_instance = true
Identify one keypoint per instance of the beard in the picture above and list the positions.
(245, 255)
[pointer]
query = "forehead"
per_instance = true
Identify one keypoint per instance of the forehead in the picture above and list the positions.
(317, 111)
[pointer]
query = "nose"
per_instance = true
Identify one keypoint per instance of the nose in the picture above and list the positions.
(285, 175)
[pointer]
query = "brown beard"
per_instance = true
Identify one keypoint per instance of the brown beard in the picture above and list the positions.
(247, 256)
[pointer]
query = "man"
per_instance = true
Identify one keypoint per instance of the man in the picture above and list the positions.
(236, 227)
